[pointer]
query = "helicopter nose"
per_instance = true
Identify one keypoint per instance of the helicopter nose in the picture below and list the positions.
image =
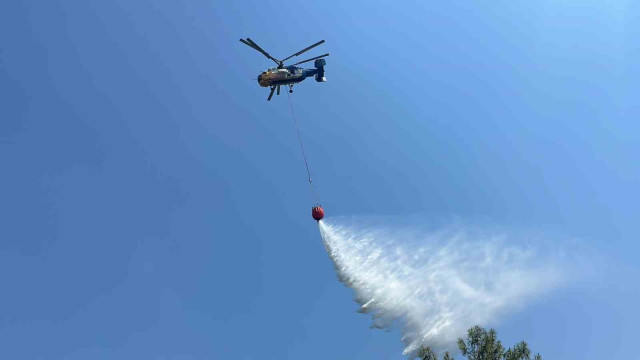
(259, 78)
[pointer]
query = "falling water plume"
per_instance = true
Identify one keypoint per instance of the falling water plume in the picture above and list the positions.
(434, 285)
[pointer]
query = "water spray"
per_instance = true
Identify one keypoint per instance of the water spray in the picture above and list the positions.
(434, 285)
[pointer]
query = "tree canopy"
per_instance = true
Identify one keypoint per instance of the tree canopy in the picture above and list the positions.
(483, 345)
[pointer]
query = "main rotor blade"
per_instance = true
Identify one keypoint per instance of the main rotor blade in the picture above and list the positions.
(313, 58)
(305, 49)
(255, 46)
(251, 45)
(247, 43)
(271, 93)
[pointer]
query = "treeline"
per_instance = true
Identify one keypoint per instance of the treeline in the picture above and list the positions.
(483, 345)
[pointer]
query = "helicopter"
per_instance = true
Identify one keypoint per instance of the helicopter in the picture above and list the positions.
(291, 74)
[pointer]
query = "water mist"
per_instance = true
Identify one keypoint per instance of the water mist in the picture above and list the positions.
(435, 284)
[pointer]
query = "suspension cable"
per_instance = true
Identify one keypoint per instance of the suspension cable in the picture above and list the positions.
(304, 155)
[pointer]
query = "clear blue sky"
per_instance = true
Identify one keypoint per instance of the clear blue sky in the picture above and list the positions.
(153, 205)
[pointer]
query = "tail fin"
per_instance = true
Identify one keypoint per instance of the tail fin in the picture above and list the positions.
(320, 63)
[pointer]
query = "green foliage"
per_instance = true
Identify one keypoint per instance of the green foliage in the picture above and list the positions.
(518, 352)
(483, 345)
(425, 353)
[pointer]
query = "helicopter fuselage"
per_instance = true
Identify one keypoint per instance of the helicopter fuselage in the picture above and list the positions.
(288, 75)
